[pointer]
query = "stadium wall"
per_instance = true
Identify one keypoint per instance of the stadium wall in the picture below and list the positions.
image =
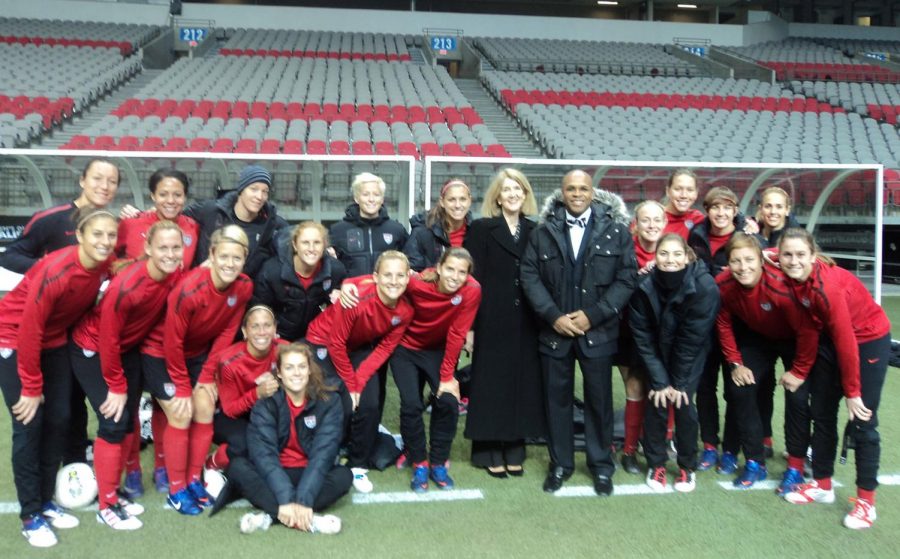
(86, 10)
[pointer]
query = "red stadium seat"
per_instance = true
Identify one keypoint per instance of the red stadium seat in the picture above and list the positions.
(176, 143)
(223, 145)
(200, 144)
(294, 147)
(246, 146)
(270, 146)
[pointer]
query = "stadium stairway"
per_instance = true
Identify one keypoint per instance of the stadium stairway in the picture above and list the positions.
(417, 56)
(96, 112)
(498, 121)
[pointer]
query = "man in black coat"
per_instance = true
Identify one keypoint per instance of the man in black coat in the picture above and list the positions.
(578, 272)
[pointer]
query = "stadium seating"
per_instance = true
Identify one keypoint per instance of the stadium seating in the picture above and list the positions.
(125, 37)
(317, 44)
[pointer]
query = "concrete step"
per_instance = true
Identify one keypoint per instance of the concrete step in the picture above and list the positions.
(498, 121)
(97, 111)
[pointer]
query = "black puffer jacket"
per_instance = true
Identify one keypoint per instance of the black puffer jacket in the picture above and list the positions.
(319, 427)
(673, 334)
(608, 277)
(262, 232)
(426, 244)
(277, 286)
(359, 242)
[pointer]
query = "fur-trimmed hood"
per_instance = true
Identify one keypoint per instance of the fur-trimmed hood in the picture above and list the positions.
(604, 201)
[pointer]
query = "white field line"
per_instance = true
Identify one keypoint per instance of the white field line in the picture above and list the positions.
(411, 497)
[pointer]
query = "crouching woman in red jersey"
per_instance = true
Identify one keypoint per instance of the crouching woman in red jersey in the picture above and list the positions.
(202, 317)
(671, 316)
(445, 300)
(758, 323)
(293, 440)
(35, 375)
(853, 356)
(245, 374)
(106, 361)
(352, 345)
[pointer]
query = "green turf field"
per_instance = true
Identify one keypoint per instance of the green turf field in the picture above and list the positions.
(515, 518)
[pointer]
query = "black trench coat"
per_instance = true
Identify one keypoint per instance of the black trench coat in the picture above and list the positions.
(506, 400)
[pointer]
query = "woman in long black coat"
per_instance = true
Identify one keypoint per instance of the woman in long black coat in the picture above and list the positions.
(505, 400)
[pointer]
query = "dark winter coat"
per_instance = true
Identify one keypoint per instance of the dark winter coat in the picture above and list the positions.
(775, 236)
(506, 392)
(359, 242)
(426, 244)
(277, 286)
(673, 334)
(319, 427)
(698, 240)
(609, 273)
(262, 232)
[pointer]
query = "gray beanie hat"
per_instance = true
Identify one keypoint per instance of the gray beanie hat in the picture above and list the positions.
(251, 174)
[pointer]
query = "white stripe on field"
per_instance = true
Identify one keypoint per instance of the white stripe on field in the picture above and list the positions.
(889, 479)
(411, 497)
(618, 490)
(768, 485)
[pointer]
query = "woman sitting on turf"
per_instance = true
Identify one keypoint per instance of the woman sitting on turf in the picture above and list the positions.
(293, 441)
(671, 316)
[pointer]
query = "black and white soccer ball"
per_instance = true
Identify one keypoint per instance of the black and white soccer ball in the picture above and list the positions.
(76, 486)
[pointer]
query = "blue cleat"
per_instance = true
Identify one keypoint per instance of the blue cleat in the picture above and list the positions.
(134, 485)
(792, 477)
(200, 495)
(708, 459)
(184, 503)
(753, 472)
(727, 464)
(419, 482)
(441, 478)
(161, 480)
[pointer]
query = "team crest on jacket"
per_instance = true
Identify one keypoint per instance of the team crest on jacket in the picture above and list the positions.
(310, 421)
(766, 306)
(457, 299)
(326, 285)
(169, 389)
(5, 352)
(188, 240)
(232, 300)
(322, 353)
(805, 302)
(388, 237)
(395, 321)
(689, 223)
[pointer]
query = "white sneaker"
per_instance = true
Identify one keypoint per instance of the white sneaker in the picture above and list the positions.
(58, 517)
(255, 521)
(361, 480)
(325, 524)
(38, 532)
(117, 518)
(806, 493)
(862, 516)
(130, 507)
(656, 479)
(686, 481)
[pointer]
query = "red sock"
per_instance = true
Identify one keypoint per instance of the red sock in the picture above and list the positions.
(824, 483)
(133, 458)
(634, 421)
(670, 424)
(219, 459)
(767, 441)
(201, 440)
(158, 423)
(177, 441)
(107, 461)
(866, 495)
(707, 446)
(796, 462)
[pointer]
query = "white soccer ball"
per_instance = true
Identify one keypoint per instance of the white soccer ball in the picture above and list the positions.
(76, 486)
(215, 481)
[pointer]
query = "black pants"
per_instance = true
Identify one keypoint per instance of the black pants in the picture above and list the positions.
(86, 367)
(494, 454)
(77, 440)
(656, 421)
(559, 387)
(409, 368)
(708, 404)
(247, 481)
(361, 424)
(231, 431)
(37, 448)
(825, 398)
(758, 354)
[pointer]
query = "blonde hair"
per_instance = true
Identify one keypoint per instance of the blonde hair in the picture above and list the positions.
(391, 255)
(774, 190)
(362, 178)
(295, 234)
(491, 205)
(646, 204)
(229, 234)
